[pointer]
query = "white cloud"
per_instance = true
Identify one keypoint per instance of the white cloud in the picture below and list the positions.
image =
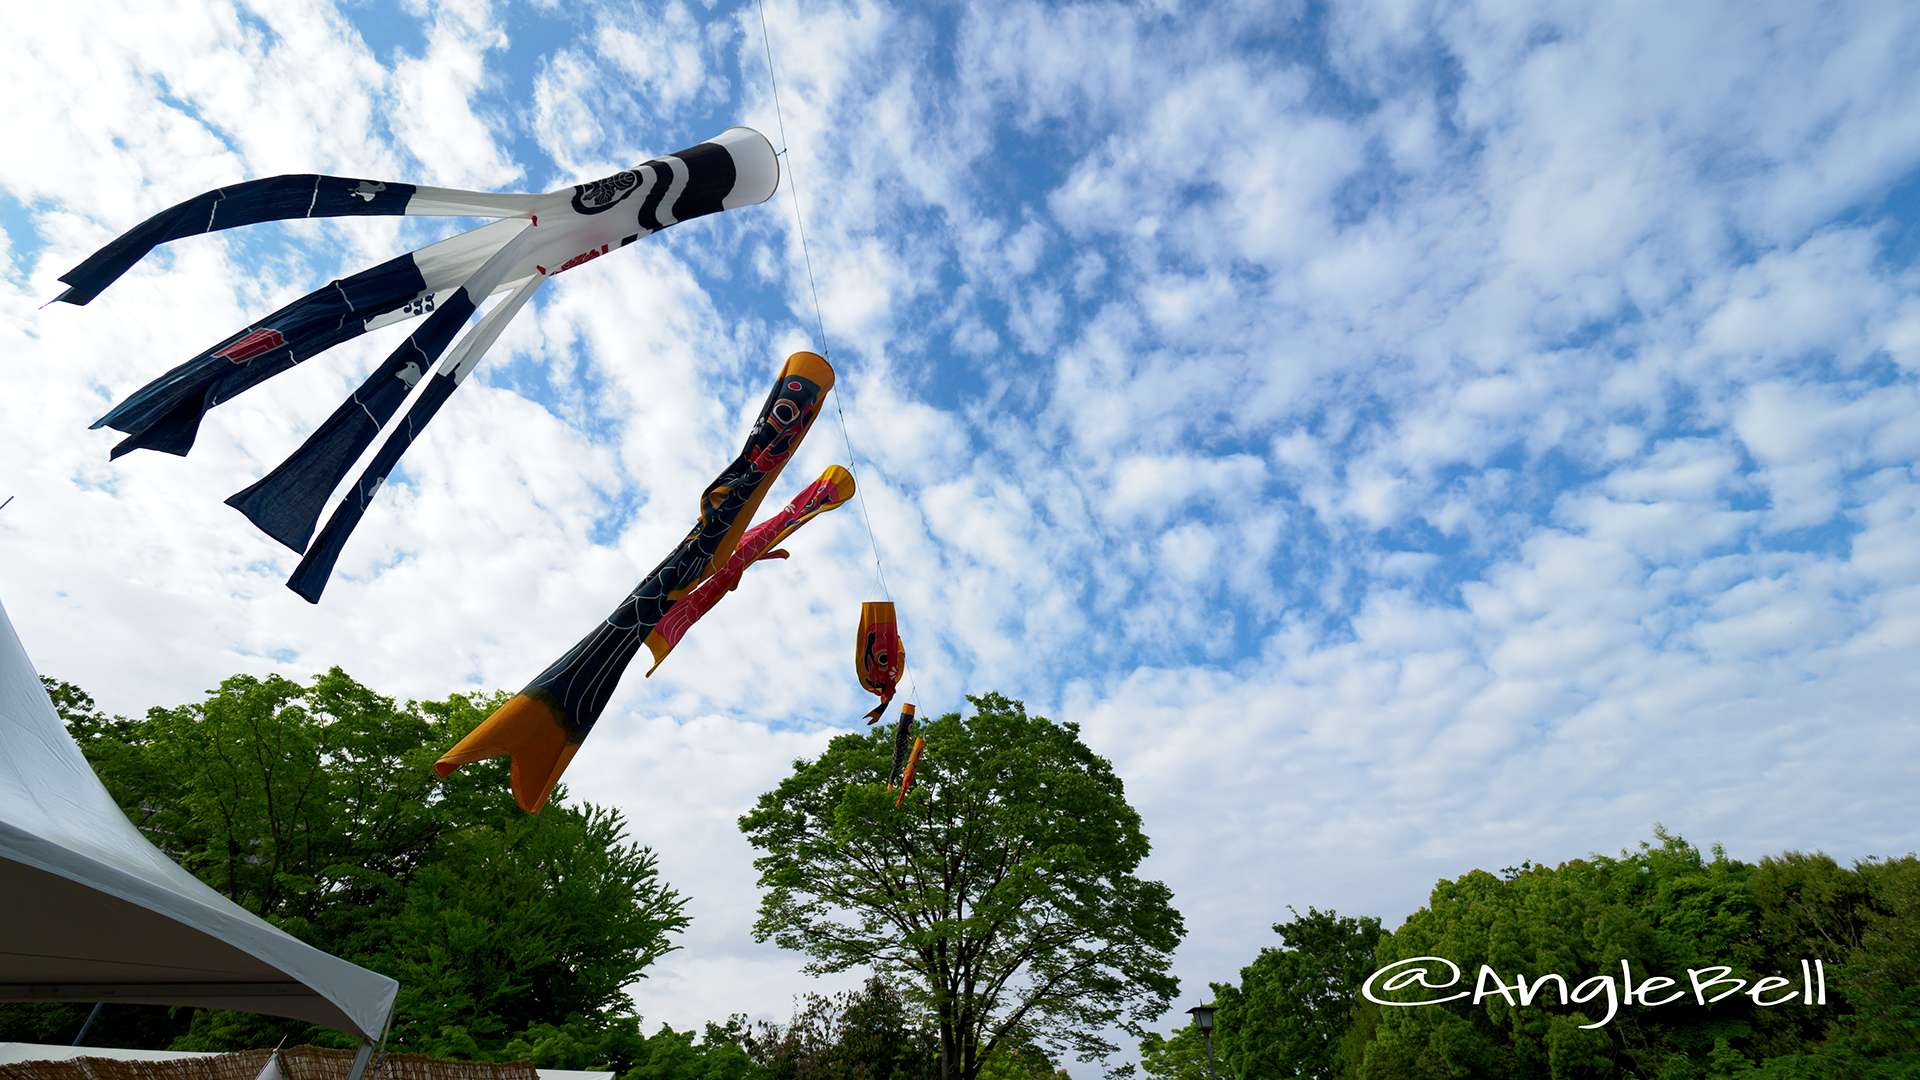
(664, 57)
(431, 106)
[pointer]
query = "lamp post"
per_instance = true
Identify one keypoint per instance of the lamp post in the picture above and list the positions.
(1203, 1019)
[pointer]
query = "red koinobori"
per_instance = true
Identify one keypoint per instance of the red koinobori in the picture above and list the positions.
(834, 488)
(879, 660)
(878, 657)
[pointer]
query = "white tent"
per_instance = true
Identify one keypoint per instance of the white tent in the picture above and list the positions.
(12, 1053)
(90, 911)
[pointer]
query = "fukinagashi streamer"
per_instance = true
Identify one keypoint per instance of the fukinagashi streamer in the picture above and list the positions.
(536, 237)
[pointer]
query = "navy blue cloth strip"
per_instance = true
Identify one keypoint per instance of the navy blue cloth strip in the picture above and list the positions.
(165, 414)
(310, 578)
(286, 503)
(275, 198)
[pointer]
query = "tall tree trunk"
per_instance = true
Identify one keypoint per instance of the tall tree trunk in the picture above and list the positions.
(949, 1045)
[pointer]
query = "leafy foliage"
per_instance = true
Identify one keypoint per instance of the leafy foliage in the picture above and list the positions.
(575, 918)
(1290, 1012)
(1002, 888)
(1877, 924)
(316, 809)
(865, 1034)
(1664, 909)
(674, 1055)
(616, 1044)
(1181, 1056)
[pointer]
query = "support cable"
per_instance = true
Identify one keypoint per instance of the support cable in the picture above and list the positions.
(820, 324)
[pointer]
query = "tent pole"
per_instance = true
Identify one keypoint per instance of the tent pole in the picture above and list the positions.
(360, 1059)
(92, 1016)
(367, 1048)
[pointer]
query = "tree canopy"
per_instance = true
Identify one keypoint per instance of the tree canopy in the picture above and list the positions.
(864, 1034)
(1002, 889)
(1289, 1013)
(1663, 909)
(315, 808)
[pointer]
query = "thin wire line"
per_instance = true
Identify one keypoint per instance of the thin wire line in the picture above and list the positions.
(820, 325)
(793, 189)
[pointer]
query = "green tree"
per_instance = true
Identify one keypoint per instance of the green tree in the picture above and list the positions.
(864, 1034)
(1022, 1062)
(612, 1043)
(718, 1055)
(615, 1044)
(1181, 1056)
(1866, 923)
(1290, 1012)
(1003, 888)
(1664, 909)
(544, 918)
(313, 807)
(1881, 978)
(317, 809)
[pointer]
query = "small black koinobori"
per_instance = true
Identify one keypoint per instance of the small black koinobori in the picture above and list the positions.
(536, 237)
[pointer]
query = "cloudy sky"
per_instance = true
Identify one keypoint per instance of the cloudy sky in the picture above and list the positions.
(1407, 436)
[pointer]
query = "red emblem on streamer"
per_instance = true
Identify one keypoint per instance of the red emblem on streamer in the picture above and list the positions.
(586, 256)
(260, 341)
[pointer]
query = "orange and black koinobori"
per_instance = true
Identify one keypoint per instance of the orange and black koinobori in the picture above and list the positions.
(906, 779)
(544, 725)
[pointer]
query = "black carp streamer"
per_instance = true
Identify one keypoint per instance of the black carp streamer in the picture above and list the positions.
(543, 725)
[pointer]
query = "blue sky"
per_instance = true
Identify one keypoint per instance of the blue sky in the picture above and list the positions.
(1408, 437)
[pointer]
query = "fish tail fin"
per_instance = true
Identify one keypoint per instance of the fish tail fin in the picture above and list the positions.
(287, 502)
(530, 731)
(659, 647)
(172, 433)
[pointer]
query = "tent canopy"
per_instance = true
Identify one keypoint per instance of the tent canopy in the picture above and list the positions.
(90, 910)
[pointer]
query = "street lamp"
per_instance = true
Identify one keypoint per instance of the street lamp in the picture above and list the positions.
(1203, 1019)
